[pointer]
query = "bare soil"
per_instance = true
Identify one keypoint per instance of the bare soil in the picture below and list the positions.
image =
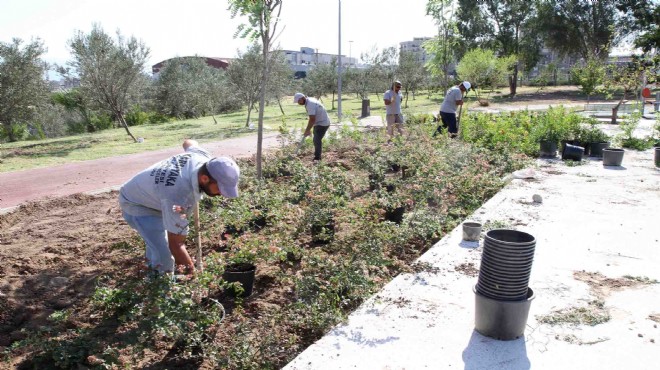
(51, 253)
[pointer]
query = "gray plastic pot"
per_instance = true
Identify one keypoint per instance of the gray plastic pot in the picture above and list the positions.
(501, 320)
(612, 156)
(471, 231)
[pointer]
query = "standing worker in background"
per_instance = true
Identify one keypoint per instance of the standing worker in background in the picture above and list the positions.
(453, 99)
(318, 118)
(393, 117)
(157, 200)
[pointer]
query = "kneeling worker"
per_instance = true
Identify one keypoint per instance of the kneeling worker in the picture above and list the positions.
(157, 200)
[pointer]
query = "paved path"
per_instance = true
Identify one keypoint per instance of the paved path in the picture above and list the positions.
(96, 175)
(108, 173)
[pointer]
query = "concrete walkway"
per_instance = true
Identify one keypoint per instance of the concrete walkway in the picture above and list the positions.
(597, 240)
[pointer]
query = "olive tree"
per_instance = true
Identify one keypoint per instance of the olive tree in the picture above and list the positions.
(188, 87)
(412, 74)
(110, 71)
(23, 89)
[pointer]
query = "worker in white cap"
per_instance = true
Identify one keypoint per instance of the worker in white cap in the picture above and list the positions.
(157, 201)
(453, 100)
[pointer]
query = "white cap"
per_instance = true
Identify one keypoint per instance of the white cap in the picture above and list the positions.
(226, 173)
(466, 85)
(297, 97)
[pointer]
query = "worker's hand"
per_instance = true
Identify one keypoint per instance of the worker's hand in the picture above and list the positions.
(307, 133)
(188, 270)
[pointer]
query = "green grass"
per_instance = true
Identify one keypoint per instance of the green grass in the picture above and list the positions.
(50, 152)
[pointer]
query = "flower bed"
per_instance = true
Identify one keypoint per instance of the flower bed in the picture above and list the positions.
(306, 280)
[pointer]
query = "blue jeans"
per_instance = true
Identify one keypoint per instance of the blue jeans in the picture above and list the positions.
(153, 232)
(319, 133)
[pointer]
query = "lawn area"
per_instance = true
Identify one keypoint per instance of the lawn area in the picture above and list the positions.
(50, 152)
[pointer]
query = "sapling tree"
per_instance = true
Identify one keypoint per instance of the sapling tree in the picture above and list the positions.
(263, 17)
(627, 78)
(588, 76)
(411, 72)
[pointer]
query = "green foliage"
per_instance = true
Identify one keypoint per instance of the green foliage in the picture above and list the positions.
(136, 117)
(589, 75)
(592, 134)
(188, 87)
(627, 139)
(483, 69)
(555, 124)
(444, 181)
(579, 27)
(110, 70)
(23, 89)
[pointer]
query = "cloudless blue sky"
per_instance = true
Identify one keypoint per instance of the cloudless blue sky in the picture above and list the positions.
(204, 27)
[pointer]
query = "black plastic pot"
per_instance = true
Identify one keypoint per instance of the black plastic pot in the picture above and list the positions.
(323, 234)
(597, 149)
(395, 214)
(548, 149)
(242, 273)
(656, 157)
(572, 152)
(506, 265)
(501, 320)
(612, 156)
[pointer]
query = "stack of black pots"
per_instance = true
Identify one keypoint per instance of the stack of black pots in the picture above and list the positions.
(506, 264)
(502, 292)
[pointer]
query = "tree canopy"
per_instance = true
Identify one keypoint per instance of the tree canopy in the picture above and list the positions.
(23, 88)
(580, 27)
(109, 70)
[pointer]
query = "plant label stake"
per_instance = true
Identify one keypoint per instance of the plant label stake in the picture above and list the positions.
(199, 239)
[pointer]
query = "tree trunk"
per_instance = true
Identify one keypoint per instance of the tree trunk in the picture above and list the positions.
(247, 122)
(615, 110)
(279, 102)
(122, 121)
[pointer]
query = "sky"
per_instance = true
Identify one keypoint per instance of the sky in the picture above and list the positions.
(205, 28)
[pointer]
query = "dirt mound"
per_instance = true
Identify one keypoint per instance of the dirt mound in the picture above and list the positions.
(51, 253)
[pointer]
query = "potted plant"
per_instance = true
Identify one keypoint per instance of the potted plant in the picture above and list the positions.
(241, 259)
(553, 126)
(320, 217)
(394, 205)
(322, 225)
(595, 139)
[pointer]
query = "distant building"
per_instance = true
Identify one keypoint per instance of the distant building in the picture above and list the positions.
(307, 58)
(415, 47)
(220, 63)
